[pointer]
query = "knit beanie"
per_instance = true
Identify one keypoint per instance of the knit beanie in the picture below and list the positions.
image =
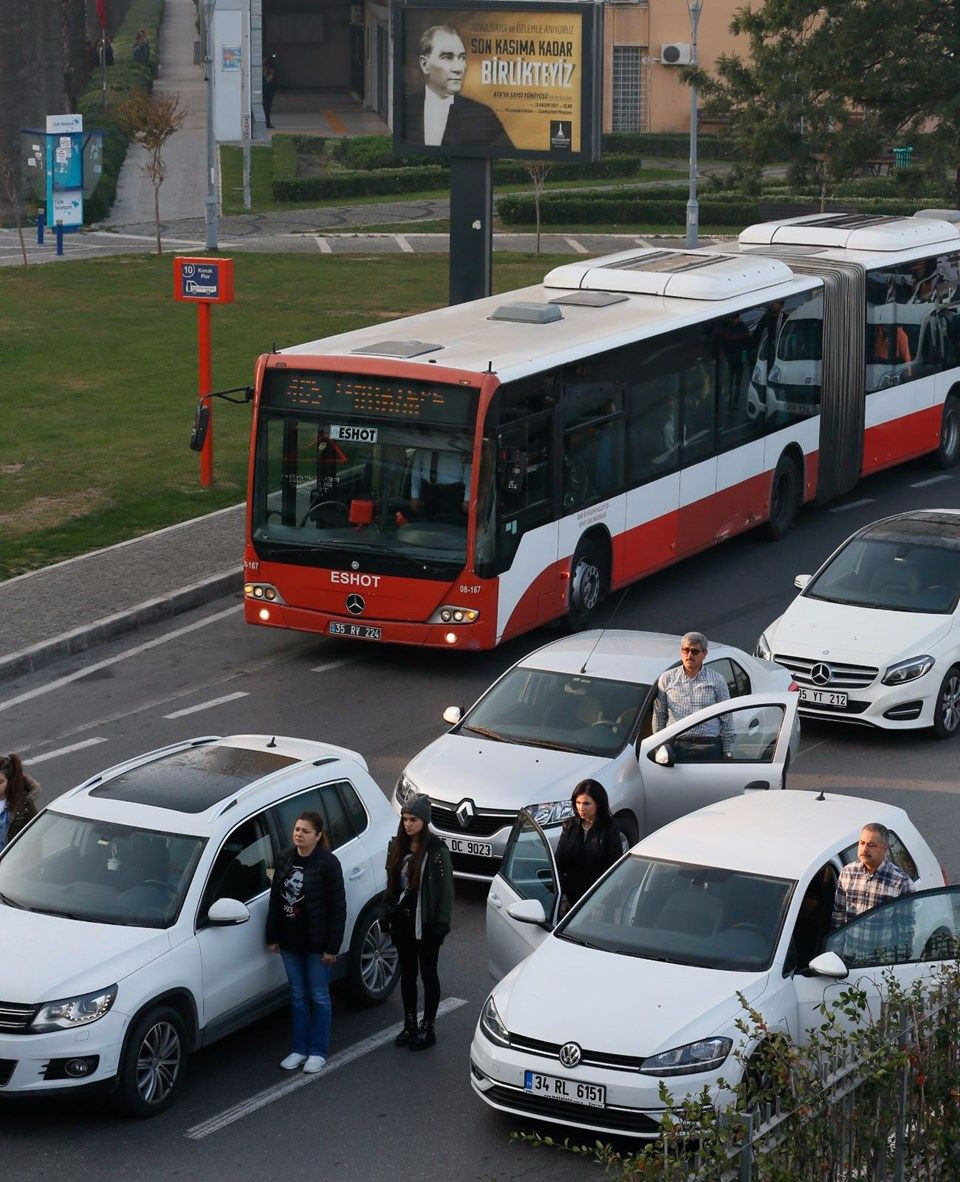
(417, 805)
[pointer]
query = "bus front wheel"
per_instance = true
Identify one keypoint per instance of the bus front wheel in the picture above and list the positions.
(948, 453)
(588, 584)
(784, 499)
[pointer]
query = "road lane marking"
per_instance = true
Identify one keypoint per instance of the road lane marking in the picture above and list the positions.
(278, 1091)
(70, 678)
(852, 505)
(332, 665)
(575, 245)
(932, 480)
(207, 705)
(403, 243)
(325, 247)
(32, 759)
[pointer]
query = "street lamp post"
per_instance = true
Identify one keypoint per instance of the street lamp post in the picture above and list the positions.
(211, 201)
(694, 7)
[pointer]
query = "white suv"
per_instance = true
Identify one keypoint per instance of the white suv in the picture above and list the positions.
(134, 909)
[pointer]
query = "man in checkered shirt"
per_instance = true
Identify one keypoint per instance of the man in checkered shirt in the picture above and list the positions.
(862, 886)
(688, 688)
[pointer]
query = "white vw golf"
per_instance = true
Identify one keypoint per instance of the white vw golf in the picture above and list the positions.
(638, 984)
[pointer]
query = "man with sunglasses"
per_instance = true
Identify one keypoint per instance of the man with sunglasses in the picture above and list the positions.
(682, 691)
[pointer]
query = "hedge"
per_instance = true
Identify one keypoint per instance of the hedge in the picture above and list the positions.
(122, 77)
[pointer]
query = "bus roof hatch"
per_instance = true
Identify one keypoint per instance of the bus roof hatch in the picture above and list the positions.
(853, 231)
(680, 274)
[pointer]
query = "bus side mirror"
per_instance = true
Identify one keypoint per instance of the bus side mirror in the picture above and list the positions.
(201, 421)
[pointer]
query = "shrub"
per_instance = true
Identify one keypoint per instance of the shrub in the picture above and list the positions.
(624, 209)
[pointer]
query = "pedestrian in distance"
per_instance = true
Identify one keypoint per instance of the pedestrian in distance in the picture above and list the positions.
(305, 921)
(416, 909)
(687, 688)
(589, 843)
(873, 879)
(141, 47)
(269, 86)
(18, 798)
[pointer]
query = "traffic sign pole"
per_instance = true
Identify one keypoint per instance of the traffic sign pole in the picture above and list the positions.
(205, 377)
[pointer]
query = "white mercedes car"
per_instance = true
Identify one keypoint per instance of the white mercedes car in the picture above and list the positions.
(582, 708)
(638, 984)
(874, 636)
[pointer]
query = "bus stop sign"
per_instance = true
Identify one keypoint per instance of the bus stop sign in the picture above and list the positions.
(206, 281)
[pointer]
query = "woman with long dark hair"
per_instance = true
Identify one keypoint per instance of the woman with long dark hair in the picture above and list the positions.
(417, 909)
(589, 843)
(18, 798)
(305, 922)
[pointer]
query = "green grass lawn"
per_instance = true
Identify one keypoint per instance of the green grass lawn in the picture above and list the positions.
(98, 367)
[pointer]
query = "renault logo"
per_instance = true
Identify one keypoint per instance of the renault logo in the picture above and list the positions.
(355, 604)
(821, 674)
(570, 1054)
(465, 813)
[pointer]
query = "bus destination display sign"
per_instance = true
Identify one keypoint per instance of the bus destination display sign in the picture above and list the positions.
(208, 281)
(375, 398)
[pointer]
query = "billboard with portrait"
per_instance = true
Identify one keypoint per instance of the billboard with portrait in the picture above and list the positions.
(498, 79)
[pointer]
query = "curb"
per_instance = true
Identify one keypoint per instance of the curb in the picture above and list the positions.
(29, 660)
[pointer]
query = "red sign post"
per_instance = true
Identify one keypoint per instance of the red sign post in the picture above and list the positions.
(203, 282)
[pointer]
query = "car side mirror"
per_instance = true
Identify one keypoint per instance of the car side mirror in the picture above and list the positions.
(227, 913)
(664, 755)
(801, 581)
(828, 964)
(453, 714)
(527, 911)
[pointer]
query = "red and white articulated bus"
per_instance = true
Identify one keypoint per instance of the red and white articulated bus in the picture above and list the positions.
(457, 477)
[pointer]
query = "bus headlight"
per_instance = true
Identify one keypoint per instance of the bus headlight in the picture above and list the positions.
(265, 591)
(451, 613)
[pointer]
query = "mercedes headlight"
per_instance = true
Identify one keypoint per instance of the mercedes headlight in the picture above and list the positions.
(74, 1011)
(908, 670)
(705, 1055)
(492, 1025)
(762, 648)
(550, 812)
(405, 789)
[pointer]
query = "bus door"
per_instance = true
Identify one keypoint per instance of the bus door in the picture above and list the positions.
(696, 524)
(592, 455)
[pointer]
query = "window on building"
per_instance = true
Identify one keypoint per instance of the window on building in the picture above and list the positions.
(629, 88)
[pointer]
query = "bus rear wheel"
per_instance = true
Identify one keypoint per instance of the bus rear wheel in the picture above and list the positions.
(588, 584)
(948, 453)
(784, 499)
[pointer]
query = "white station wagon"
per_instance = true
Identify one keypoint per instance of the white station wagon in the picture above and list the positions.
(580, 708)
(638, 983)
(133, 910)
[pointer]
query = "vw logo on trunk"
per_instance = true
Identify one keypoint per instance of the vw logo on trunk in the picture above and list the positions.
(821, 674)
(465, 813)
(355, 604)
(570, 1054)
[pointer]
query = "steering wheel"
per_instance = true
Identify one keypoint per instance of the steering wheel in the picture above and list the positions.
(338, 506)
(164, 886)
(749, 927)
(612, 723)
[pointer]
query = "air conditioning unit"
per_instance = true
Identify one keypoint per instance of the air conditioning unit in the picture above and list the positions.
(675, 53)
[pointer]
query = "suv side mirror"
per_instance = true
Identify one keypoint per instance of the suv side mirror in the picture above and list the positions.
(828, 964)
(527, 911)
(453, 714)
(664, 755)
(227, 913)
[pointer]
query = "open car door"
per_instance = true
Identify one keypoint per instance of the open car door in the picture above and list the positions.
(524, 897)
(756, 732)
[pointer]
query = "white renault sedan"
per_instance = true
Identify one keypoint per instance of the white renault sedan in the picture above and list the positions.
(874, 636)
(580, 708)
(638, 984)
(133, 911)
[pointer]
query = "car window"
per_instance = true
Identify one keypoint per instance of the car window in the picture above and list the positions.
(899, 855)
(738, 682)
(243, 868)
(908, 929)
(326, 801)
(683, 913)
(747, 735)
(354, 806)
(893, 575)
(339, 828)
(527, 866)
(813, 918)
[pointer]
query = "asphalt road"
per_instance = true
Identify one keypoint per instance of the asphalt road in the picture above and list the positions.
(384, 1113)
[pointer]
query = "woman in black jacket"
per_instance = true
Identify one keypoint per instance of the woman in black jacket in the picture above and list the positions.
(305, 922)
(18, 798)
(589, 843)
(417, 908)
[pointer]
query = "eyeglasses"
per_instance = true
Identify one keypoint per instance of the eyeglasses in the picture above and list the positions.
(692, 651)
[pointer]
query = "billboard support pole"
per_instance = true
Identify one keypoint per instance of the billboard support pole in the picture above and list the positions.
(471, 229)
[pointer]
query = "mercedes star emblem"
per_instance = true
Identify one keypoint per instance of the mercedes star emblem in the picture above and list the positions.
(355, 604)
(465, 813)
(570, 1054)
(820, 674)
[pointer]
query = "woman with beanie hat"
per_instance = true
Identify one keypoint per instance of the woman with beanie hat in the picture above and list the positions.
(416, 909)
(18, 798)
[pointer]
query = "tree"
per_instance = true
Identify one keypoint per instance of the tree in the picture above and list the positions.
(150, 120)
(537, 171)
(10, 190)
(828, 83)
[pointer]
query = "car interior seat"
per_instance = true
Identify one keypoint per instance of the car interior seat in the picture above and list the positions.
(895, 576)
(693, 912)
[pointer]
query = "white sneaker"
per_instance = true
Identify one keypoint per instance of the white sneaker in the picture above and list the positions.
(313, 1064)
(292, 1061)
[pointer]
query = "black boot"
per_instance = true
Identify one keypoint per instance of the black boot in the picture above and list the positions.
(425, 1037)
(409, 1031)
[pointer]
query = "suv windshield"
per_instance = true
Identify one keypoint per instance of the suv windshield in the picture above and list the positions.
(681, 913)
(99, 871)
(893, 575)
(572, 712)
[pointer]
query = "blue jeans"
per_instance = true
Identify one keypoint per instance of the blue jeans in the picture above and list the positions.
(309, 1001)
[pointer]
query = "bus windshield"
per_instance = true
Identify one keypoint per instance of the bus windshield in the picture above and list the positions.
(350, 465)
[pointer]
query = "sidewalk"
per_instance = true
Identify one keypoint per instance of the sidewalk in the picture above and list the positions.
(52, 613)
